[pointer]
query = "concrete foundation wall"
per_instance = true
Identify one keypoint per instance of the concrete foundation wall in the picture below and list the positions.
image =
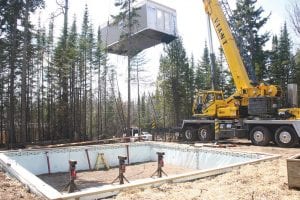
(24, 165)
(188, 157)
(202, 158)
(36, 161)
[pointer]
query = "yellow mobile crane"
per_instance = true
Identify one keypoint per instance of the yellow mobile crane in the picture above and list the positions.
(253, 111)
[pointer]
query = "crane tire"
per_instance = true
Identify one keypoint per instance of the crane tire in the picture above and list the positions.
(205, 133)
(286, 136)
(260, 136)
(189, 134)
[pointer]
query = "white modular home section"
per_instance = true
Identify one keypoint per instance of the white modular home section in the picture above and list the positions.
(156, 24)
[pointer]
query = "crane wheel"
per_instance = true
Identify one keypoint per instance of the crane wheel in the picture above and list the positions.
(285, 136)
(189, 134)
(260, 136)
(205, 133)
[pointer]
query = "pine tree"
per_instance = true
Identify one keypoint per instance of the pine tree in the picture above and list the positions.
(128, 17)
(162, 94)
(25, 66)
(72, 54)
(285, 59)
(203, 72)
(138, 62)
(13, 14)
(3, 84)
(50, 79)
(190, 86)
(63, 70)
(100, 60)
(143, 111)
(282, 66)
(16, 55)
(39, 64)
(114, 121)
(91, 47)
(249, 22)
(83, 66)
(172, 79)
(274, 62)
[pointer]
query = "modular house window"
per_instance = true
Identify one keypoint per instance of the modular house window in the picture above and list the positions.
(151, 17)
(167, 22)
(159, 19)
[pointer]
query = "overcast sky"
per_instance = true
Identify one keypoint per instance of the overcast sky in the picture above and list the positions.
(191, 25)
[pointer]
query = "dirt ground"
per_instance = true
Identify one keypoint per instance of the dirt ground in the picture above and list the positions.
(11, 189)
(86, 179)
(263, 181)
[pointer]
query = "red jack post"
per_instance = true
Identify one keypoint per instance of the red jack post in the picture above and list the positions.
(160, 163)
(122, 169)
(71, 186)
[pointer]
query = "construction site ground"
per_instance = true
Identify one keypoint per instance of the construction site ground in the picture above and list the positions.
(86, 179)
(262, 181)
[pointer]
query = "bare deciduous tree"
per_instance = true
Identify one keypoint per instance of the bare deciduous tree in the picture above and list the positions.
(294, 13)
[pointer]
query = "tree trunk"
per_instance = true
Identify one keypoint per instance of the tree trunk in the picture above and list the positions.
(91, 103)
(37, 138)
(105, 98)
(129, 95)
(138, 93)
(2, 107)
(65, 92)
(99, 112)
(84, 95)
(12, 61)
(23, 76)
(129, 66)
(42, 107)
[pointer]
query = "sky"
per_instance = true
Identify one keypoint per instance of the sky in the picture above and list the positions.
(191, 26)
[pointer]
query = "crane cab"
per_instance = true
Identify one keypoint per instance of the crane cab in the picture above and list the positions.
(207, 102)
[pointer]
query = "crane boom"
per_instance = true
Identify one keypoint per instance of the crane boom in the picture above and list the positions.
(227, 41)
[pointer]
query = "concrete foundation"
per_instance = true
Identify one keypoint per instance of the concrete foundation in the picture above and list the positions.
(26, 164)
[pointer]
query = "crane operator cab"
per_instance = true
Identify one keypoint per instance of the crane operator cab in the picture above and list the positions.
(207, 101)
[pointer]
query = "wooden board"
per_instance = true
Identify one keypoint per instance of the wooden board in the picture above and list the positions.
(293, 171)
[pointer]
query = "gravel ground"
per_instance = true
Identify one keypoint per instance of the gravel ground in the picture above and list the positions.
(263, 181)
(11, 189)
(86, 179)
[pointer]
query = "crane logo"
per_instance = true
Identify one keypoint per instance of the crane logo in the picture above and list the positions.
(220, 31)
